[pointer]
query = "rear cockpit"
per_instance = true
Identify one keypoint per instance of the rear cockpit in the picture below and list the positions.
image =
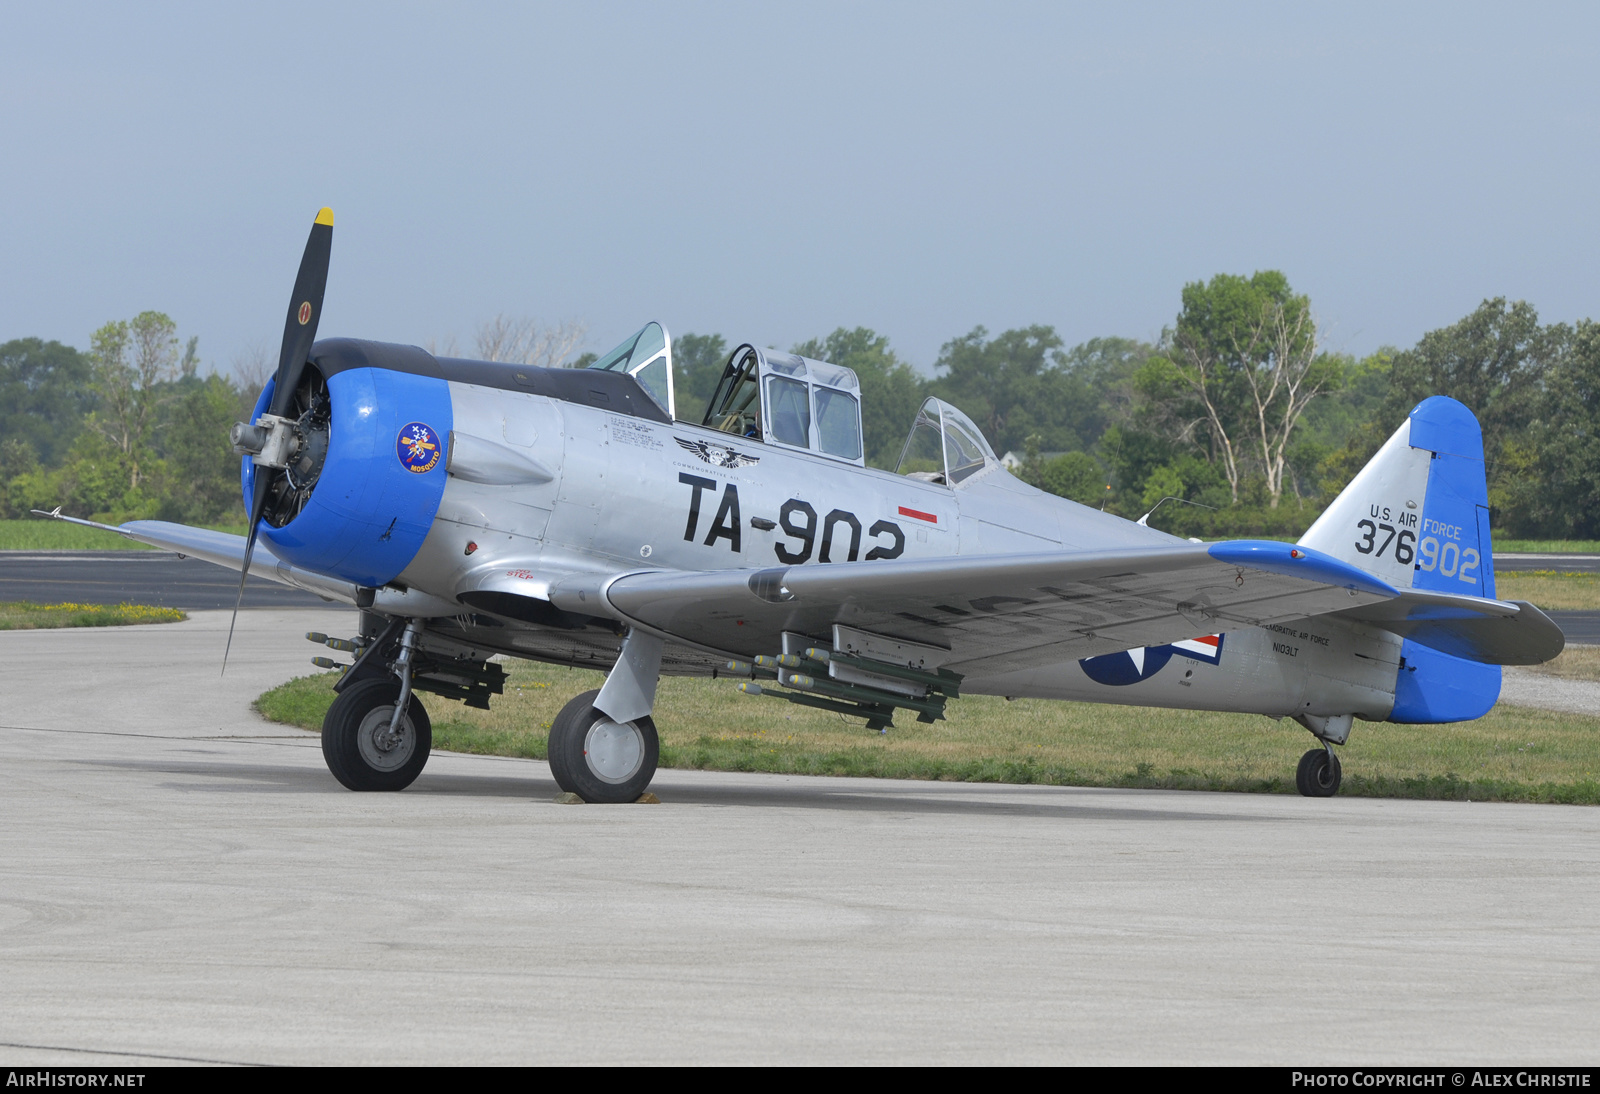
(945, 446)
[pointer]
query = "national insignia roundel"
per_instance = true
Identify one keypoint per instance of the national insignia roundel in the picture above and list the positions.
(1142, 662)
(418, 448)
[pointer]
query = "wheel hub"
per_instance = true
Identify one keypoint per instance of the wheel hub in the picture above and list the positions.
(614, 751)
(382, 750)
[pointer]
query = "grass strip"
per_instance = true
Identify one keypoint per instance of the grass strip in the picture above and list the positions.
(1512, 754)
(23, 615)
(1547, 546)
(1552, 590)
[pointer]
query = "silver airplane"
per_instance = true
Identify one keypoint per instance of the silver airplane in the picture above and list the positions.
(470, 509)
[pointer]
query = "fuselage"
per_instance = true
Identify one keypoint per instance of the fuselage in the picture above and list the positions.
(628, 493)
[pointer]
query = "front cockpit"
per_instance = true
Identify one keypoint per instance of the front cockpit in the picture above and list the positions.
(786, 400)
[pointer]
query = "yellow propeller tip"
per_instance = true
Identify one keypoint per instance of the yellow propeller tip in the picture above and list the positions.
(325, 216)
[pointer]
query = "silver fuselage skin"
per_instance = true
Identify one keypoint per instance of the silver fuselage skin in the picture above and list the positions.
(625, 494)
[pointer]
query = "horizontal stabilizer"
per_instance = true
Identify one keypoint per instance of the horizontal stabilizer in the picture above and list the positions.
(1490, 632)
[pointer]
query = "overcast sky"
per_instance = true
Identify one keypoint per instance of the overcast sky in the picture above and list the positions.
(771, 171)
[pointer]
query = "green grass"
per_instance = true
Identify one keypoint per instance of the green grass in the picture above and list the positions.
(39, 534)
(1572, 663)
(1513, 754)
(1549, 589)
(23, 615)
(1548, 546)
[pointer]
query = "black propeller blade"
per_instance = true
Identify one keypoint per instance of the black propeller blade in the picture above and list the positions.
(299, 331)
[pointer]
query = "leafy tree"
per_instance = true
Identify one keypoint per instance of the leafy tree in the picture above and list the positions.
(891, 391)
(1074, 475)
(999, 382)
(1164, 482)
(1133, 455)
(202, 473)
(17, 461)
(1494, 361)
(44, 395)
(95, 481)
(697, 361)
(1245, 352)
(1549, 479)
(132, 391)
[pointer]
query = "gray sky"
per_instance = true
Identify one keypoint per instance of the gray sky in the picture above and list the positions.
(772, 172)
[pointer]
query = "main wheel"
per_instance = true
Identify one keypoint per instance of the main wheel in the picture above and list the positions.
(599, 759)
(356, 741)
(1318, 774)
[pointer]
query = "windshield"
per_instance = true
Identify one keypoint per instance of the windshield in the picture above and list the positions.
(646, 355)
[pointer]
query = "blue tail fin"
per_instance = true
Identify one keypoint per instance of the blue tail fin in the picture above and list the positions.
(1418, 516)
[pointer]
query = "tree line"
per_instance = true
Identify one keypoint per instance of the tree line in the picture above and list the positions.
(1237, 411)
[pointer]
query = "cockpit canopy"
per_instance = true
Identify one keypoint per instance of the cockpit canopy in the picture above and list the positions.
(944, 446)
(646, 355)
(787, 400)
(783, 399)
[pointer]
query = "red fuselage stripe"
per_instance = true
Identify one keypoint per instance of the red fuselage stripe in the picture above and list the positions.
(929, 517)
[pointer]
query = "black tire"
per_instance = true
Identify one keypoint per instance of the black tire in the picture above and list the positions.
(1318, 774)
(600, 760)
(352, 736)
(559, 763)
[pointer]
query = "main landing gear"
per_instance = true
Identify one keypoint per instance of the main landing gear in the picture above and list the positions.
(1319, 774)
(603, 744)
(377, 736)
(598, 758)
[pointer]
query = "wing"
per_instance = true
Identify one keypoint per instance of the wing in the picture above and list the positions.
(223, 549)
(994, 613)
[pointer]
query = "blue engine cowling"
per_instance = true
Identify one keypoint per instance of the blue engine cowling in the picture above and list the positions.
(380, 483)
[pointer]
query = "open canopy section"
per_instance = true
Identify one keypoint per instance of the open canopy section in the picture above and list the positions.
(783, 399)
(646, 355)
(945, 446)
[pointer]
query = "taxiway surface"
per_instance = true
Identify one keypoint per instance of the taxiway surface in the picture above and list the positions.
(180, 880)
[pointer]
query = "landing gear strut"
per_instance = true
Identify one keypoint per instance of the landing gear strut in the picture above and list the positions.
(376, 735)
(365, 747)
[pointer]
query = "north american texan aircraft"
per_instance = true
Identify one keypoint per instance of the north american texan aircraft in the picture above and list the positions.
(470, 509)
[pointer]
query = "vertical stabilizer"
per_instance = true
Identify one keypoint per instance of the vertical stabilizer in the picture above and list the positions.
(1417, 516)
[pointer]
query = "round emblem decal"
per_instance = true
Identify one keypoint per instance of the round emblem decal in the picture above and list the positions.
(305, 313)
(1127, 667)
(418, 448)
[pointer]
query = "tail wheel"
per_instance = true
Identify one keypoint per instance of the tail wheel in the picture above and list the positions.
(357, 744)
(600, 759)
(1318, 774)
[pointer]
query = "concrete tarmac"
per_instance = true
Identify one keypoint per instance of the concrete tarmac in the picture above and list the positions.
(181, 881)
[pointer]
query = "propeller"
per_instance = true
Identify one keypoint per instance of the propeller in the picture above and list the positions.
(299, 332)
